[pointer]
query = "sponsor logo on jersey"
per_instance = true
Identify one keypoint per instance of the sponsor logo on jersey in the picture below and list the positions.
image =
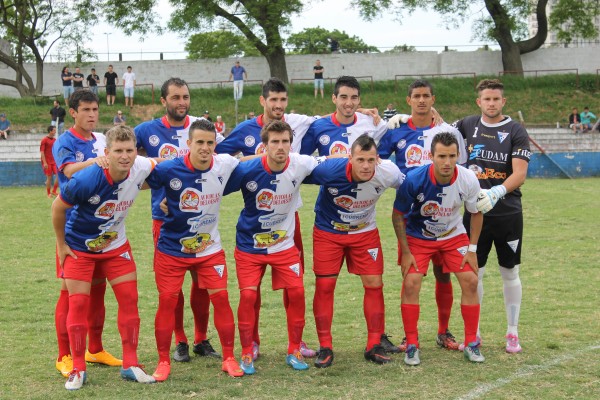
(153, 140)
(295, 269)
(338, 226)
(220, 178)
(264, 199)
(324, 140)
(201, 180)
(373, 253)
(294, 182)
(462, 250)
(126, 256)
(522, 153)
(268, 239)
(420, 197)
(338, 148)
(168, 151)
(102, 241)
(219, 269)
(401, 144)
(274, 182)
(514, 245)
(249, 141)
(175, 184)
(95, 199)
(196, 223)
(502, 136)
(271, 220)
(333, 191)
(436, 229)
(479, 151)
(106, 210)
(490, 173)
(251, 186)
(344, 202)
(260, 149)
(196, 244)
(189, 200)
(78, 156)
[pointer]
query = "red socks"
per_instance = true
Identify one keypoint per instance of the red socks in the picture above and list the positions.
(200, 303)
(128, 320)
(246, 318)
(470, 314)
(257, 304)
(178, 327)
(323, 309)
(444, 299)
(223, 317)
(60, 321)
(96, 316)
(295, 317)
(77, 326)
(410, 319)
(374, 310)
(164, 323)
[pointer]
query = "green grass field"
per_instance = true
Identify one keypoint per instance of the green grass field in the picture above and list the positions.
(559, 318)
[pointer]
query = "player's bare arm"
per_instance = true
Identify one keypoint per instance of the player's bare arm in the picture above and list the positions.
(400, 229)
(474, 232)
(70, 169)
(59, 220)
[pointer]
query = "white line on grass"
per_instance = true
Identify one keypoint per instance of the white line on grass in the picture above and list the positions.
(525, 371)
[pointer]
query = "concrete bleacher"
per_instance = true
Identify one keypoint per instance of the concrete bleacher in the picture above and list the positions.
(21, 147)
(557, 140)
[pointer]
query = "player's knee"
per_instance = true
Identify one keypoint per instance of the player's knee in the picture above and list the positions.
(247, 296)
(295, 294)
(411, 285)
(509, 274)
(168, 300)
(469, 283)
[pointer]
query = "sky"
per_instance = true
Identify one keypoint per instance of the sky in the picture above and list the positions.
(424, 30)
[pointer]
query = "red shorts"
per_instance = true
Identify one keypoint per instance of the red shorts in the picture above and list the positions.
(50, 170)
(450, 252)
(88, 266)
(285, 266)
(362, 252)
(98, 274)
(156, 224)
(169, 271)
(436, 259)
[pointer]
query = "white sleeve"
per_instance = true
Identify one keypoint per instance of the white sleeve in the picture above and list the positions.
(472, 190)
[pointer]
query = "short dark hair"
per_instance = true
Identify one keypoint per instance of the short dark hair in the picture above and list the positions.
(120, 133)
(164, 89)
(63, 70)
(202, 125)
(93, 69)
(50, 128)
(489, 84)
(84, 95)
(348, 81)
(129, 66)
(274, 85)
(445, 139)
(275, 126)
(419, 83)
(364, 142)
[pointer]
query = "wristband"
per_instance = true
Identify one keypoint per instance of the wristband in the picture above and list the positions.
(472, 248)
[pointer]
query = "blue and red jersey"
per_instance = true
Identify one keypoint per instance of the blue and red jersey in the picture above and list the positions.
(71, 147)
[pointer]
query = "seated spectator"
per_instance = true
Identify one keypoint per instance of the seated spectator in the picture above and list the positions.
(4, 127)
(220, 125)
(119, 118)
(586, 119)
(575, 121)
(389, 112)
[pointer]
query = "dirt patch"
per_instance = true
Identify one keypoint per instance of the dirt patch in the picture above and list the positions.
(146, 112)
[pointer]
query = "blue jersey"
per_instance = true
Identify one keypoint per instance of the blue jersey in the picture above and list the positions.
(434, 210)
(345, 206)
(328, 136)
(71, 147)
(267, 223)
(193, 199)
(97, 221)
(412, 145)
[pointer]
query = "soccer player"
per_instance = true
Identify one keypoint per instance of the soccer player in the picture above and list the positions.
(92, 242)
(335, 133)
(189, 240)
(431, 199)
(410, 142)
(345, 228)
(499, 154)
(166, 137)
(265, 235)
(48, 163)
(75, 149)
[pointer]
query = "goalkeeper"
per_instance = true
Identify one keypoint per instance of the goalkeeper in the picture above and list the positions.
(499, 154)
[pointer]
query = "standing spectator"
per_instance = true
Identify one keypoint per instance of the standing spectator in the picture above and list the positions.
(48, 163)
(58, 117)
(206, 115)
(111, 80)
(4, 127)
(319, 82)
(93, 80)
(586, 119)
(128, 86)
(575, 121)
(238, 73)
(220, 125)
(250, 115)
(77, 79)
(389, 112)
(67, 83)
(119, 119)
(334, 45)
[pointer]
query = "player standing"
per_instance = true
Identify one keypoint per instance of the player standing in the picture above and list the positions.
(345, 228)
(270, 187)
(92, 242)
(499, 155)
(411, 143)
(48, 163)
(166, 137)
(432, 197)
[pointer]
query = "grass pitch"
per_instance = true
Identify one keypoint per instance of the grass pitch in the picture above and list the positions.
(559, 317)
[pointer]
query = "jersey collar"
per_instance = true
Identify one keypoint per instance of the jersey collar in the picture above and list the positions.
(432, 176)
(165, 122)
(338, 123)
(78, 135)
(412, 126)
(110, 179)
(260, 120)
(188, 163)
(265, 165)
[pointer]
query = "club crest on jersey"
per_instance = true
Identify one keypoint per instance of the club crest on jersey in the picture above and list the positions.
(420, 197)
(373, 253)
(264, 199)
(295, 269)
(462, 250)
(78, 156)
(168, 151)
(414, 155)
(249, 141)
(401, 144)
(153, 140)
(102, 241)
(344, 202)
(195, 244)
(175, 184)
(502, 136)
(189, 200)
(219, 270)
(430, 209)
(251, 186)
(126, 256)
(268, 239)
(95, 199)
(106, 209)
(333, 191)
(324, 140)
(338, 148)
(260, 149)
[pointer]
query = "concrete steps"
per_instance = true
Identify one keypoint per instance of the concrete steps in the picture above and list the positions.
(557, 140)
(21, 147)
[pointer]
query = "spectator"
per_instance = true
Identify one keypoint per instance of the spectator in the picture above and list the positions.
(586, 119)
(93, 80)
(206, 115)
(334, 45)
(128, 86)
(77, 79)
(220, 125)
(389, 112)
(111, 80)
(319, 81)
(58, 117)
(67, 83)
(119, 119)
(48, 163)
(4, 127)
(575, 121)
(238, 73)
(250, 115)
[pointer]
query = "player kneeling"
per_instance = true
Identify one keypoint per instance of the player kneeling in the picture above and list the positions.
(432, 197)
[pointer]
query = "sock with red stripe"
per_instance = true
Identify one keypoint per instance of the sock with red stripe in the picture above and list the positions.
(374, 310)
(444, 298)
(246, 318)
(96, 316)
(410, 319)
(60, 321)
(200, 303)
(128, 320)
(77, 326)
(323, 309)
(470, 314)
(223, 318)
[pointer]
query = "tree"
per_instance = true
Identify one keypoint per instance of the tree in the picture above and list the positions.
(504, 22)
(218, 44)
(32, 28)
(402, 48)
(317, 41)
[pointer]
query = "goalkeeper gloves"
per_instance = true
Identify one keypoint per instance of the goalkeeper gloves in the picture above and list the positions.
(487, 199)
(396, 120)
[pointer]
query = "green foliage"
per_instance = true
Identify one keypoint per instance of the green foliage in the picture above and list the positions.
(401, 48)
(572, 19)
(317, 41)
(218, 44)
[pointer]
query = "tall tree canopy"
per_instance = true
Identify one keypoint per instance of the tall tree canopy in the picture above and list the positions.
(218, 44)
(317, 41)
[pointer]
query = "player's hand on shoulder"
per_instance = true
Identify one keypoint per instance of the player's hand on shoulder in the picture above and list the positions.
(101, 161)
(437, 118)
(395, 121)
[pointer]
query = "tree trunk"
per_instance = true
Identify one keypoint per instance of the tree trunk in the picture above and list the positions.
(277, 66)
(511, 59)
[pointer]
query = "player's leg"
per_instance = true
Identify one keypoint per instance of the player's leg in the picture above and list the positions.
(255, 331)
(55, 187)
(470, 311)
(200, 304)
(48, 182)
(316, 84)
(64, 361)
(444, 298)
(182, 348)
